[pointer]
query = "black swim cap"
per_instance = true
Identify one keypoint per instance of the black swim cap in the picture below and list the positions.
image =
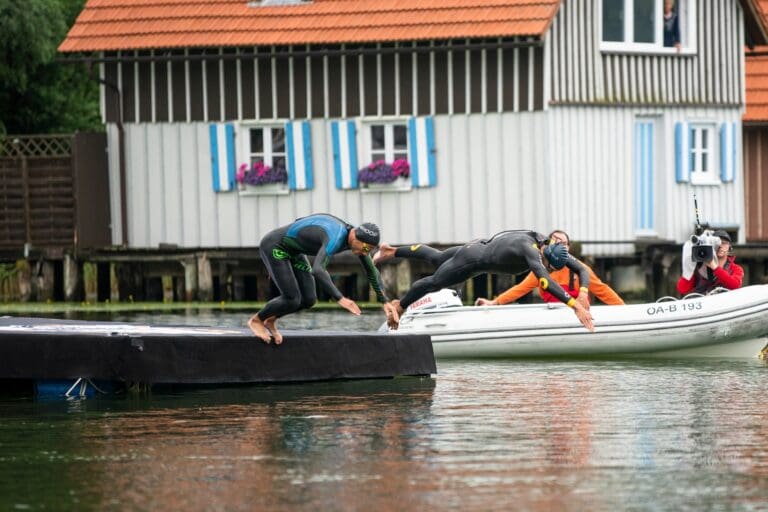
(368, 233)
(556, 254)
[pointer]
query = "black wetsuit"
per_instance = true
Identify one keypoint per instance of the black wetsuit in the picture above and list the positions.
(508, 252)
(284, 252)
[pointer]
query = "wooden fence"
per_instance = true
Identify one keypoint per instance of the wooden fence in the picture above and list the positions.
(43, 179)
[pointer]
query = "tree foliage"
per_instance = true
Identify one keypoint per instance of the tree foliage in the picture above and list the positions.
(39, 94)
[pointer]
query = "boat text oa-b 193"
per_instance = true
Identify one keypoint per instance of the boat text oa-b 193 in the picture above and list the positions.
(732, 324)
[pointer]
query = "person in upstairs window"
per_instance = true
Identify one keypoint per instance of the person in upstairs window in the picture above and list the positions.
(284, 252)
(671, 25)
(565, 277)
(721, 271)
(509, 252)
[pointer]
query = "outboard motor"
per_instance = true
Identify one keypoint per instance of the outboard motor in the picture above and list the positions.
(444, 298)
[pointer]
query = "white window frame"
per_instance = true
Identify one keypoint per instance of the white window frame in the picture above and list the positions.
(268, 156)
(700, 175)
(245, 155)
(399, 185)
(688, 16)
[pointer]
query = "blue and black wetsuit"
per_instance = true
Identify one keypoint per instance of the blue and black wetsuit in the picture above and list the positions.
(284, 252)
(508, 252)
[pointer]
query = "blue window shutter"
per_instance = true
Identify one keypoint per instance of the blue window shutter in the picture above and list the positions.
(421, 134)
(682, 153)
(307, 139)
(644, 174)
(299, 152)
(231, 163)
(291, 155)
(222, 139)
(728, 151)
(344, 139)
(725, 160)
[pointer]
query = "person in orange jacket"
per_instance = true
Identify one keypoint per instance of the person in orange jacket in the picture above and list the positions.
(722, 271)
(564, 277)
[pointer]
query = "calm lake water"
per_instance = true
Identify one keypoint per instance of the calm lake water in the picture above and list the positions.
(480, 435)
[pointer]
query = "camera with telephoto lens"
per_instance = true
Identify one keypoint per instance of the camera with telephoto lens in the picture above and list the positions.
(704, 246)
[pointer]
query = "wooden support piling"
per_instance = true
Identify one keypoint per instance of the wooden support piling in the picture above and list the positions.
(178, 289)
(167, 283)
(114, 284)
(91, 282)
(204, 279)
(190, 279)
(71, 274)
(24, 280)
(43, 281)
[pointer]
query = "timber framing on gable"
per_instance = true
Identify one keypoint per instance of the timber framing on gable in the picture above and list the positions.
(424, 78)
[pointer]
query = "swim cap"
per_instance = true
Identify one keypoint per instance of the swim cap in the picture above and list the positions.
(367, 233)
(556, 254)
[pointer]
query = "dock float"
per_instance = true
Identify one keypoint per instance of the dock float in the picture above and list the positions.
(43, 349)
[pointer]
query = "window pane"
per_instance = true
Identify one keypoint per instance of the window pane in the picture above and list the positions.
(278, 140)
(645, 16)
(704, 167)
(377, 155)
(278, 161)
(377, 137)
(613, 20)
(401, 136)
(255, 159)
(257, 140)
(704, 144)
(401, 156)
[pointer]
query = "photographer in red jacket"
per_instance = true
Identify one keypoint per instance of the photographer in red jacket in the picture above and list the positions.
(721, 271)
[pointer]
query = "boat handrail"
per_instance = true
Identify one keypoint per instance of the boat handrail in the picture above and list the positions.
(666, 298)
(696, 295)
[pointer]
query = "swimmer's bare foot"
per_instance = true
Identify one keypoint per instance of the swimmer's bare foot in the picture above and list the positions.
(258, 328)
(385, 252)
(271, 324)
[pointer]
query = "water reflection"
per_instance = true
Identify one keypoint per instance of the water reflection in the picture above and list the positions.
(231, 447)
(484, 435)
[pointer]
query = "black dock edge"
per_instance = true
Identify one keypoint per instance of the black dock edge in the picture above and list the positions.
(36, 348)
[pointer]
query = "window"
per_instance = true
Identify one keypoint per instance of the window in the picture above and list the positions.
(389, 142)
(386, 142)
(267, 144)
(656, 26)
(702, 159)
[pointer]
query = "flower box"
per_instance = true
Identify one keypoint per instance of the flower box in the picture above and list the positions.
(268, 189)
(262, 180)
(380, 176)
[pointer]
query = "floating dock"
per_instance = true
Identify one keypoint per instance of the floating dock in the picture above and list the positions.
(43, 349)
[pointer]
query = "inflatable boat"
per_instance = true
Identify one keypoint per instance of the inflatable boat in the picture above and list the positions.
(728, 324)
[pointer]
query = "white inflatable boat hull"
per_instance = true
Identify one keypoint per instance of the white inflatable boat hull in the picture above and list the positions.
(727, 325)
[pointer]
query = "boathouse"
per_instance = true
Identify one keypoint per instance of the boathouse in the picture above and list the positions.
(511, 114)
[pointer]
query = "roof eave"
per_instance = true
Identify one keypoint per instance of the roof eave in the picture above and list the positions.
(754, 22)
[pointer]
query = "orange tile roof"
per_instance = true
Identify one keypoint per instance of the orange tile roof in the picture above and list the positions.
(756, 70)
(756, 76)
(151, 24)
